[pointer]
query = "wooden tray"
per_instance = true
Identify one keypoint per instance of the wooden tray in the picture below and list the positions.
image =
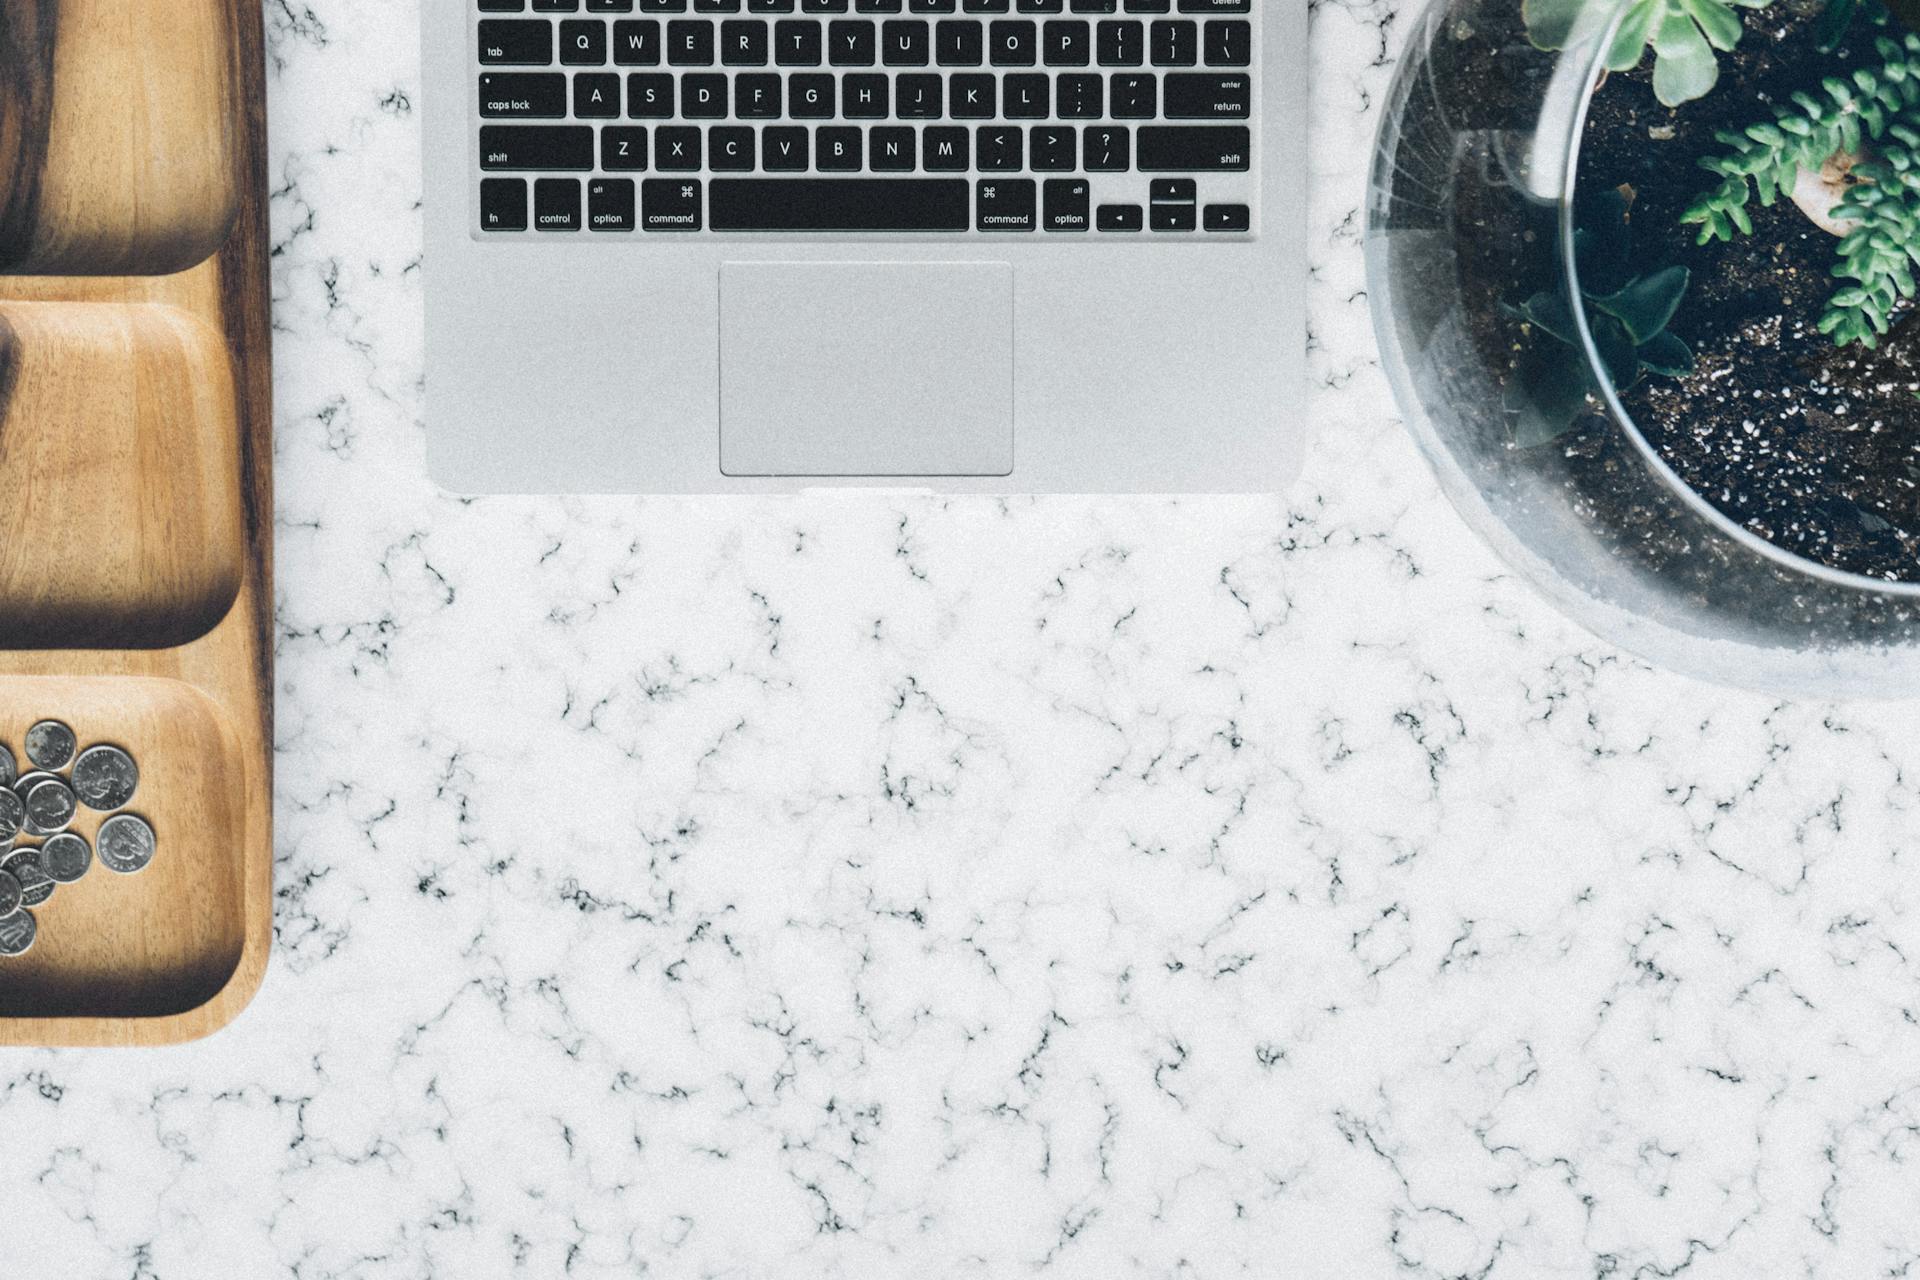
(136, 500)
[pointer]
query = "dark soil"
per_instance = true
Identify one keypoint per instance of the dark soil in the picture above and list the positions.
(1815, 449)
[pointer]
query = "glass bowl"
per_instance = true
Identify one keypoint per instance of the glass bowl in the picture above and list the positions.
(1471, 202)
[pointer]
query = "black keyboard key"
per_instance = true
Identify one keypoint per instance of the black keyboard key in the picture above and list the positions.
(947, 149)
(837, 149)
(960, 44)
(1081, 96)
(1067, 44)
(905, 44)
(919, 97)
(583, 43)
(596, 96)
(892, 149)
(1216, 6)
(623, 148)
(1053, 148)
(676, 149)
(1229, 217)
(864, 97)
(518, 95)
(636, 43)
(1175, 44)
(556, 6)
(1068, 205)
(536, 147)
(505, 42)
(839, 204)
(1195, 148)
(1013, 44)
(1109, 148)
(730, 148)
(1136, 96)
(743, 44)
(756, 96)
(690, 44)
(1000, 148)
(1007, 204)
(611, 205)
(852, 44)
(1120, 217)
(1122, 44)
(798, 44)
(1025, 97)
(703, 96)
(650, 96)
(1229, 44)
(503, 204)
(1174, 205)
(670, 204)
(1209, 97)
(810, 97)
(556, 204)
(975, 97)
(609, 6)
(786, 149)
(503, 6)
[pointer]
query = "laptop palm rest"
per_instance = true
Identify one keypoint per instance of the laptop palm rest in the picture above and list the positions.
(866, 369)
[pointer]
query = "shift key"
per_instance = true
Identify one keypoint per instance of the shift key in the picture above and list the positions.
(1195, 149)
(539, 147)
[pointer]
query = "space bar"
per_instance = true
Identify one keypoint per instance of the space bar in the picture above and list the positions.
(838, 204)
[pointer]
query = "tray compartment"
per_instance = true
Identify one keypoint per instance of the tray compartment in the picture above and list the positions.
(170, 938)
(119, 145)
(121, 524)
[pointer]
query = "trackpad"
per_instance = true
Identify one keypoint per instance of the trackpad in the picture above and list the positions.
(866, 369)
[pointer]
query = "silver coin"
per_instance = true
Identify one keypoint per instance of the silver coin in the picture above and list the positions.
(10, 893)
(13, 816)
(17, 932)
(50, 745)
(105, 778)
(9, 767)
(51, 805)
(125, 843)
(67, 857)
(36, 886)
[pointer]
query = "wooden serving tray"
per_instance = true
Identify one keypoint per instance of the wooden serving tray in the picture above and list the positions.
(136, 499)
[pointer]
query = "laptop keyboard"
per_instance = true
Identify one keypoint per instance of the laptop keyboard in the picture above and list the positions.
(994, 117)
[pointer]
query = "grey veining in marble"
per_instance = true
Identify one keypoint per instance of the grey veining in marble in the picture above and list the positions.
(881, 888)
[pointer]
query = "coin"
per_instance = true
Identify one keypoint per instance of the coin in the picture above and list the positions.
(50, 744)
(50, 807)
(25, 782)
(126, 843)
(105, 777)
(9, 767)
(13, 816)
(36, 886)
(17, 932)
(10, 893)
(67, 857)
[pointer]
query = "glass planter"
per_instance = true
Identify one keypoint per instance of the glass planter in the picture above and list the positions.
(1471, 205)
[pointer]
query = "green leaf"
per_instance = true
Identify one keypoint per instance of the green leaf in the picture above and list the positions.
(1548, 394)
(1667, 355)
(1720, 24)
(1648, 304)
(1552, 313)
(1551, 24)
(1630, 41)
(1686, 68)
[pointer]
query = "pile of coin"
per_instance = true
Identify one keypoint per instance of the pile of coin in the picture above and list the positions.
(38, 853)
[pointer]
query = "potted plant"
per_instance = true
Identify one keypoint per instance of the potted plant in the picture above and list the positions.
(1644, 273)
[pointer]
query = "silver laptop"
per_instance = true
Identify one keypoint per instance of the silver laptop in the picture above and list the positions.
(711, 246)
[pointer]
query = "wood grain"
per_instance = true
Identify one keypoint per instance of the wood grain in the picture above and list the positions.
(119, 461)
(118, 153)
(177, 951)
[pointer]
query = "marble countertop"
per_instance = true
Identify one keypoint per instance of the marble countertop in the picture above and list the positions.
(875, 887)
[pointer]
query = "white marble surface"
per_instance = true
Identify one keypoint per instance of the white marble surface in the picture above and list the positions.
(879, 888)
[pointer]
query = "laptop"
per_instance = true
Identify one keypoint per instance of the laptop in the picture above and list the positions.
(749, 246)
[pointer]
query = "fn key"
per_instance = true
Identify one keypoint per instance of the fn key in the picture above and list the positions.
(503, 204)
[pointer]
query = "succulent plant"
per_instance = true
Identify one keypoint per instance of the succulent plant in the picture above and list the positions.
(1627, 312)
(1687, 37)
(1870, 117)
